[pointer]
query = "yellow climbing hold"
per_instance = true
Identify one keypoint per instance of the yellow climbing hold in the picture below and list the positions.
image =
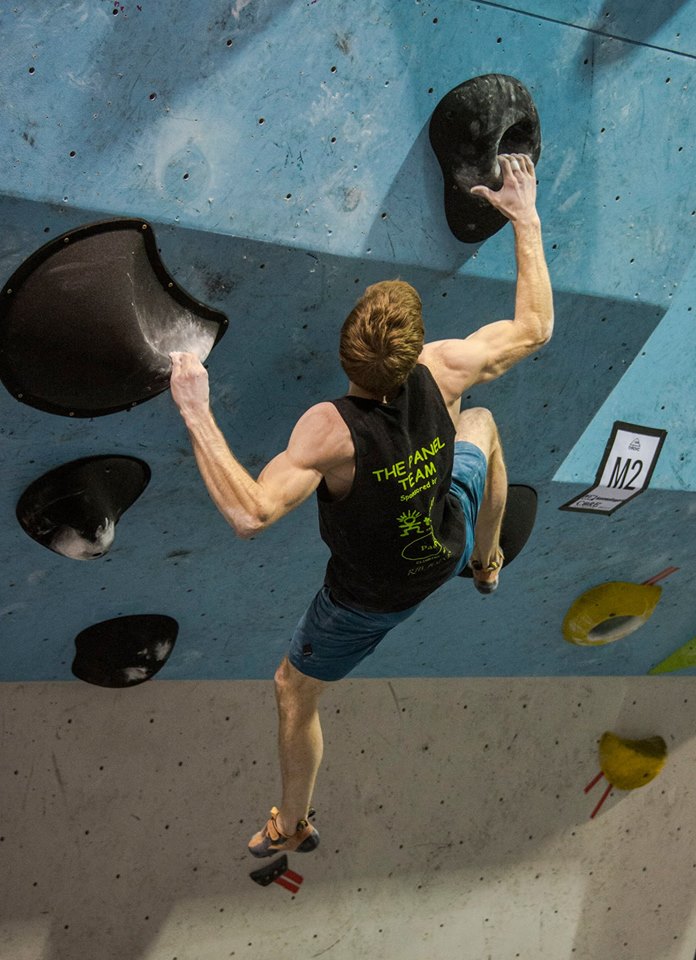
(609, 612)
(629, 764)
(679, 660)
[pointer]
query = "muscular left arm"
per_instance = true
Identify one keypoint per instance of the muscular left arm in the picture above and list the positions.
(248, 505)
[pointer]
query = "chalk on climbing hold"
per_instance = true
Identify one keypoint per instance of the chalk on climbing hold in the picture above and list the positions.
(124, 651)
(87, 322)
(518, 522)
(472, 124)
(73, 510)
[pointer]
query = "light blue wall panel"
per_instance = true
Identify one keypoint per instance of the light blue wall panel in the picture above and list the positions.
(337, 150)
(658, 390)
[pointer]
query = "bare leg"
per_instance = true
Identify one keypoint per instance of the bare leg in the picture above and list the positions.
(478, 427)
(300, 742)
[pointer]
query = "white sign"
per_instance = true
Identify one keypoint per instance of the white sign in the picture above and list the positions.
(625, 471)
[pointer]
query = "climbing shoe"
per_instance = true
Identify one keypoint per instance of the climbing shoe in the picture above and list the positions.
(269, 840)
(487, 586)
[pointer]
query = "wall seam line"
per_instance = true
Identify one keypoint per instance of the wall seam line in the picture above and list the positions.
(576, 26)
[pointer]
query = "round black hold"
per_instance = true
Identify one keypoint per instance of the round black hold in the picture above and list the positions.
(472, 124)
(518, 522)
(73, 510)
(124, 651)
(88, 320)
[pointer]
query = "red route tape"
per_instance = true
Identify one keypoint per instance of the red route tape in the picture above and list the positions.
(293, 888)
(604, 797)
(595, 781)
(660, 576)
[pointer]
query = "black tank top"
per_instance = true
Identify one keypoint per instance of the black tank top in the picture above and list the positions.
(399, 533)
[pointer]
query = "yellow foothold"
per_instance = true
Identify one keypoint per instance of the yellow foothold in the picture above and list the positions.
(679, 660)
(629, 764)
(609, 612)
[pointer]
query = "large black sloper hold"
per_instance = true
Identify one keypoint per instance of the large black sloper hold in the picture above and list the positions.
(470, 126)
(73, 510)
(87, 322)
(124, 651)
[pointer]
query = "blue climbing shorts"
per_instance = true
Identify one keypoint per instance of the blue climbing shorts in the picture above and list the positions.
(468, 481)
(331, 639)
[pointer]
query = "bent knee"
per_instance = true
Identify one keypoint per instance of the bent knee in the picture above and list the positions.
(290, 682)
(478, 427)
(282, 677)
(477, 415)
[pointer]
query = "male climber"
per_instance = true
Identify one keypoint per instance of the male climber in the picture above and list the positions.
(410, 489)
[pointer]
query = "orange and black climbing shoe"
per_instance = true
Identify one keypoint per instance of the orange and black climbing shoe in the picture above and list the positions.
(269, 840)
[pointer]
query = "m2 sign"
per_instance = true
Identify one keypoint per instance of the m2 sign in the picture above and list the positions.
(625, 471)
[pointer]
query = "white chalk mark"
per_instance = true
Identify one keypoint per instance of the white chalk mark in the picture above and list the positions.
(134, 674)
(70, 543)
(238, 7)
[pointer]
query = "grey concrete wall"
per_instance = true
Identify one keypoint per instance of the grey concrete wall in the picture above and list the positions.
(453, 821)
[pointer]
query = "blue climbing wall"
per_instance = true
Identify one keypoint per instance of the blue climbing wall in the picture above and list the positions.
(280, 151)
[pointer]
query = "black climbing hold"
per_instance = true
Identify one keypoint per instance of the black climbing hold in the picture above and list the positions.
(472, 124)
(518, 522)
(266, 875)
(124, 651)
(88, 320)
(73, 510)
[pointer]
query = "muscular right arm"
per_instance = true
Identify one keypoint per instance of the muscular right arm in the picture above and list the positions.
(495, 347)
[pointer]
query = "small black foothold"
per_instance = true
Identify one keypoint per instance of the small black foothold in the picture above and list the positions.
(266, 875)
